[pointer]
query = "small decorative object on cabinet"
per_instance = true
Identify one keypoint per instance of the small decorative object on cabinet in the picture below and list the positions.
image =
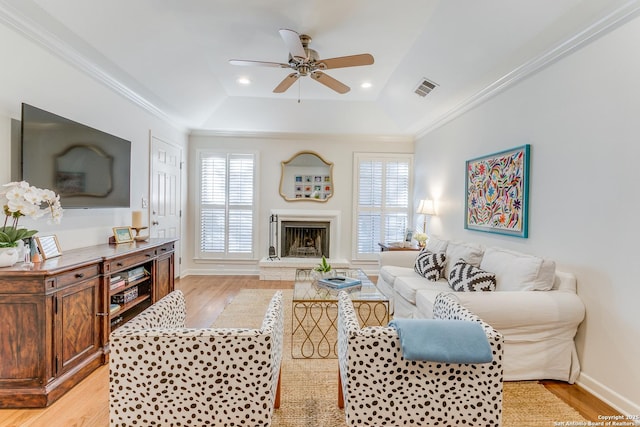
(58, 314)
(48, 246)
(122, 234)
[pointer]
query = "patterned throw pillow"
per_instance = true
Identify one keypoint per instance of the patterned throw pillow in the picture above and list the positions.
(430, 265)
(467, 278)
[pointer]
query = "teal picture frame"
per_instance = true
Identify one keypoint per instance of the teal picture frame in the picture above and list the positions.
(497, 192)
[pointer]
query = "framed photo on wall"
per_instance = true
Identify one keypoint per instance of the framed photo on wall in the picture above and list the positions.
(122, 234)
(497, 192)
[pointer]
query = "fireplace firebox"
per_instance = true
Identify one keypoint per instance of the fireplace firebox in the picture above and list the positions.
(305, 239)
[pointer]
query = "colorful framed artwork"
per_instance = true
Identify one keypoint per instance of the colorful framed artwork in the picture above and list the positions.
(497, 191)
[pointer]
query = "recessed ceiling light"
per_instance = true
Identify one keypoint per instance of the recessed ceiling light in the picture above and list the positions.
(366, 85)
(244, 81)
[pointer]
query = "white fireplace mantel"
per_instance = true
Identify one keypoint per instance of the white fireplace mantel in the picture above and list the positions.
(284, 268)
(330, 216)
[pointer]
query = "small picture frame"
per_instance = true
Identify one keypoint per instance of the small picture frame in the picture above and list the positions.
(122, 234)
(48, 246)
(408, 235)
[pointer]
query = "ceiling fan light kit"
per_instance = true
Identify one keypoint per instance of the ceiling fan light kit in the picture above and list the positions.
(306, 62)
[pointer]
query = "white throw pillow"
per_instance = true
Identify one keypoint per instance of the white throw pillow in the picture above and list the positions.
(516, 271)
(436, 245)
(471, 253)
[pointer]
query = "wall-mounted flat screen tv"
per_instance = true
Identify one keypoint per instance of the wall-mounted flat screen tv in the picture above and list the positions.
(87, 167)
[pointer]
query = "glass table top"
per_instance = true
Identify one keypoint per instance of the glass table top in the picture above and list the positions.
(307, 287)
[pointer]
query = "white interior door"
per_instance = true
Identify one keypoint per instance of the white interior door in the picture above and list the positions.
(166, 182)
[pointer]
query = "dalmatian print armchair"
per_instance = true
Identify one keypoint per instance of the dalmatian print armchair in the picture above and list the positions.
(163, 374)
(378, 387)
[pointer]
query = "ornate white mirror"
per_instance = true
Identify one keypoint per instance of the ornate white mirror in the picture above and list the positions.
(306, 177)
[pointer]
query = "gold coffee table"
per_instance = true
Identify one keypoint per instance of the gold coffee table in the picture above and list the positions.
(315, 313)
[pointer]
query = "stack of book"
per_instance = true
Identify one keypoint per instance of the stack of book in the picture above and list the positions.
(135, 274)
(339, 282)
(116, 282)
(113, 308)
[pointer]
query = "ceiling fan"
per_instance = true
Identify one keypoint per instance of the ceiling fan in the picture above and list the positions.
(305, 62)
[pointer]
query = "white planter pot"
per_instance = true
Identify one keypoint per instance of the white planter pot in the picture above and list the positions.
(9, 256)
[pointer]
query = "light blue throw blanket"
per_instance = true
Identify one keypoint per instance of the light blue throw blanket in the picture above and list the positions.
(441, 340)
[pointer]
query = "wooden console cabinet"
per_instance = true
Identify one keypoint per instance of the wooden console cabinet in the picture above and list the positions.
(56, 316)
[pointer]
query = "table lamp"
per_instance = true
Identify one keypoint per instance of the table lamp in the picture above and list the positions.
(426, 207)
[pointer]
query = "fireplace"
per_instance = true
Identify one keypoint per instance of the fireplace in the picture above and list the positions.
(305, 239)
(316, 232)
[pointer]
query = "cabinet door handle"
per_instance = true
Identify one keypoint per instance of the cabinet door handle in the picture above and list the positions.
(102, 314)
(148, 255)
(79, 275)
(155, 223)
(119, 264)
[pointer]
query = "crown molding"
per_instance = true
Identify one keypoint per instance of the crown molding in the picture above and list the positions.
(602, 26)
(36, 33)
(302, 136)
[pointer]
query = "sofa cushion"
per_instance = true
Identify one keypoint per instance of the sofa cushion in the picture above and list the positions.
(390, 272)
(469, 252)
(465, 277)
(430, 265)
(406, 287)
(516, 271)
(436, 245)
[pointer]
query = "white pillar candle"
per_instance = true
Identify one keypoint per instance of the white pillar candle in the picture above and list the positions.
(136, 219)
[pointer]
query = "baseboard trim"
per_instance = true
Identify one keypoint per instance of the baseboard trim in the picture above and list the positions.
(609, 396)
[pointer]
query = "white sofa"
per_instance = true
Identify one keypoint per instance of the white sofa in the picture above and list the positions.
(534, 306)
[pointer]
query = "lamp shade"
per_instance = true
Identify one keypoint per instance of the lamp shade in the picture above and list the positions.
(426, 207)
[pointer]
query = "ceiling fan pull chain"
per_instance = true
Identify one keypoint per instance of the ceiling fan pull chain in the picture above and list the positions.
(299, 91)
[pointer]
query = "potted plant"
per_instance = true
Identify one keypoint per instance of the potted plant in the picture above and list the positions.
(323, 269)
(421, 239)
(19, 199)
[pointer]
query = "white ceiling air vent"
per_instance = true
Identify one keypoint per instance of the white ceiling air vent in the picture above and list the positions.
(425, 87)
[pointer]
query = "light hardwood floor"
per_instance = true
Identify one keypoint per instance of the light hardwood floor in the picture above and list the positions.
(87, 404)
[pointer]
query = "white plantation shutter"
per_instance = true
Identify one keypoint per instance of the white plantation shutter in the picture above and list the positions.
(382, 208)
(227, 193)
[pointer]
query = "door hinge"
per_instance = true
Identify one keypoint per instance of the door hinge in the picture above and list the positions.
(180, 260)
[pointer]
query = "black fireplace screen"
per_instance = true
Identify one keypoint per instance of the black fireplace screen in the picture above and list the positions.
(304, 239)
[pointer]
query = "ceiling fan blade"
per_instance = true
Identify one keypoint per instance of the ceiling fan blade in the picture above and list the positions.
(286, 83)
(257, 63)
(330, 82)
(347, 61)
(292, 40)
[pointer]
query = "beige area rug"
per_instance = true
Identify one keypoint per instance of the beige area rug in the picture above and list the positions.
(309, 387)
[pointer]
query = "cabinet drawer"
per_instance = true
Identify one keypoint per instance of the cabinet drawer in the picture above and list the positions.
(165, 249)
(124, 263)
(78, 275)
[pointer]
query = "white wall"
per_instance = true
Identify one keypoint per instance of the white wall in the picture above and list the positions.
(272, 150)
(581, 117)
(32, 75)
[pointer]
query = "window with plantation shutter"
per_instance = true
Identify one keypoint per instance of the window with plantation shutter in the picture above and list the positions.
(226, 205)
(382, 188)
